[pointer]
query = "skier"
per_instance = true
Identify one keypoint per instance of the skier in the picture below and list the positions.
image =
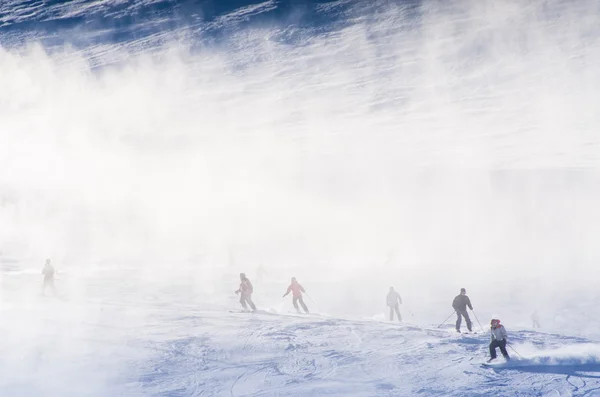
(260, 273)
(296, 289)
(535, 319)
(48, 272)
(245, 292)
(498, 340)
(394, 301)
(460, 304)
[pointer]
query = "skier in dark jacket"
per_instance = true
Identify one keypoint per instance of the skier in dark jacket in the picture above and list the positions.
(245, 292)
(393, 300)
(460, 304)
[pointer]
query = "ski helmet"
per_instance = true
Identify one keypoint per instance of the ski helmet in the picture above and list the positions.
(293, 279)
(495, 322)
(463, 290)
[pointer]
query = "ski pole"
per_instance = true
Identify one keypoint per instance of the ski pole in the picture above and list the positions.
(482, 330)
(513, 349)
(409, 312)
(278, 307)
(312, 300)
(451, 314)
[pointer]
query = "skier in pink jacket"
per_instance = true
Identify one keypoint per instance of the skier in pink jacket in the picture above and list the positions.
(296, 289)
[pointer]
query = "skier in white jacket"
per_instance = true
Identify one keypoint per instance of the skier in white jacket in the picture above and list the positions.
(499, 339)
(393, 301)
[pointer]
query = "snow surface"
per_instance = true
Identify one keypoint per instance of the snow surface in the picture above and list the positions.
(220, 354)
(103, 341)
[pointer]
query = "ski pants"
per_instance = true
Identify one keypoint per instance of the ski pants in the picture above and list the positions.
(247, 298)
(299, 299)
(502, 345)
(395, 308)
(460, 313)
(48, 283)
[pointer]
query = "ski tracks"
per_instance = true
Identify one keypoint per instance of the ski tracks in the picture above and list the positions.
(264, 355)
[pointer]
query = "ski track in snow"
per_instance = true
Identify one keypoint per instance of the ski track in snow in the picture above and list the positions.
(262, 355)
(214, 353)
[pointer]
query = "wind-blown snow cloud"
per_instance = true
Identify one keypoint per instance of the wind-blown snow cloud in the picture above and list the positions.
(449, 145)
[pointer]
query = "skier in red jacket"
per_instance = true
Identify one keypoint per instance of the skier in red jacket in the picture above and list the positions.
(245, 292)
(296, 289)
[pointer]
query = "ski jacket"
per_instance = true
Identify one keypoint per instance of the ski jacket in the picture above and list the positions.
(393, 298)
(296, 289)
(246, 287)
(461, 302)
(498, 333)
(48, 272)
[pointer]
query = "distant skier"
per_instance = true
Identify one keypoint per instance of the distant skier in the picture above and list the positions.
(499, 339)
(296, 289)
(394, 301)
(260, 273)
(245, 292)
(460, 304)
(535, 319)
(48, 272)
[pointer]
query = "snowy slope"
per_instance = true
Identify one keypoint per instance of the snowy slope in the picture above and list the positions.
(292, 357)
(146, 348)
(354, 144)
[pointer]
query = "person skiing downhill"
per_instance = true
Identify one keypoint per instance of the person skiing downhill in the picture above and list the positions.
(535, 319)
(499, 339)
(296, 289)
(460, 304)
(48, 272)
(260, 273)
(394, 301)
(245, 292)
